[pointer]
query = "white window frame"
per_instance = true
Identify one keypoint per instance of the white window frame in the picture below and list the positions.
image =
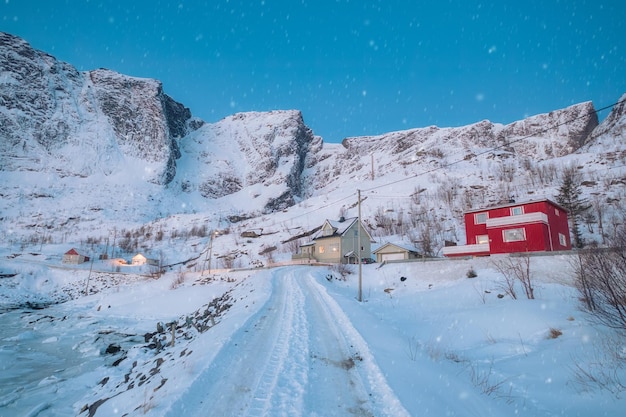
(562, 239)
(517, 208)
(478, 216)
(514, 235)
(322, 249)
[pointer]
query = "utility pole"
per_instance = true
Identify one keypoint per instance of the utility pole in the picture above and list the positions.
(113, 247)
(106, 251)
(210, 250)
(360, 295)
(88, 277)
(209, 254)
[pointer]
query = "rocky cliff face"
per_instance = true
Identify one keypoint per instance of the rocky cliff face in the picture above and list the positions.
(265, 153)
(538, 138)
(77, 148)
(549, 135)
(615, 122)
(79, 124)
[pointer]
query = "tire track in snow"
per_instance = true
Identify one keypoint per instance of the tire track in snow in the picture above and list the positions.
(262, 370)
(360, 387)
(284, 377)
(299, 355)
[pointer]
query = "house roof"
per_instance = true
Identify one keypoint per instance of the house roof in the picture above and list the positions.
(514, 204)
(339, 228)
(71, 252)
(400, 246)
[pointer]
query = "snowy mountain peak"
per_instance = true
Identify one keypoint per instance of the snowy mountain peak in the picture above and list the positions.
(79, 124)
(549, 135)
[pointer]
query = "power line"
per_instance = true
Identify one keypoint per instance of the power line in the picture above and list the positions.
(514, 184)
(457, 161)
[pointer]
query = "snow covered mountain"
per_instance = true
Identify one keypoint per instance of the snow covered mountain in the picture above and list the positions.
(88, 151)
(55, 119)
(110, 164)
(79, 140)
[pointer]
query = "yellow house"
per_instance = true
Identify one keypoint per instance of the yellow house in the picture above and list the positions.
(395, 252)
(338, 242)
(140, 259)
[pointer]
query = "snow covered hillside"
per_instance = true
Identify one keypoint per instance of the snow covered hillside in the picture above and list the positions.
(427, 340)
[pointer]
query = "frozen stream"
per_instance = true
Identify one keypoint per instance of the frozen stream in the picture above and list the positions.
(40, 350)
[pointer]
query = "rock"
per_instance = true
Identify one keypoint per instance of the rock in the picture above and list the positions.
(112, 348)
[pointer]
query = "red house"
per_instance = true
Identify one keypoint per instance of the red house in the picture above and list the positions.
(533, 226)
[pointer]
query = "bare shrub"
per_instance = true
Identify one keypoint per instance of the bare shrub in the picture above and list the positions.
(428, 232)
(601, 281)
(600, 278)
(514, 270)
(416, 197)
(448, 191)
(228, 261)
(427, 239)
(506, 172)
(292, 246)
(604, 371)
(485, 379)
(199, 231)
(343, 270)
(413, 348)
(180, 280)
(383, 222)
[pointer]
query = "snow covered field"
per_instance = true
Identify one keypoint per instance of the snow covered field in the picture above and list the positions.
(294, 341)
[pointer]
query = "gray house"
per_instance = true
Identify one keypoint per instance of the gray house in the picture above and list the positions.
(337, 242)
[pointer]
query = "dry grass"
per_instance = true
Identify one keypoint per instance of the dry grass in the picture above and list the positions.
(554, 333)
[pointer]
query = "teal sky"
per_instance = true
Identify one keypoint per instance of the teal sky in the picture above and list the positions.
(352, 67)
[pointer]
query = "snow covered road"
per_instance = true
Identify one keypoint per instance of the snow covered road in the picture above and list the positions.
(299, 355)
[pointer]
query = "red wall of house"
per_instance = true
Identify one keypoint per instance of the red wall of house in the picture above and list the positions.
(536, 239)
(558, 224)
(539, 236)
(472, 230)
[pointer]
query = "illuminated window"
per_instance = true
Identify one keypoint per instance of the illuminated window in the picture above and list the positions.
(322, 249)
(562, 239)
(516, 211)
(514, 235)
(480, 218)
(334, 247)
(482, 239)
